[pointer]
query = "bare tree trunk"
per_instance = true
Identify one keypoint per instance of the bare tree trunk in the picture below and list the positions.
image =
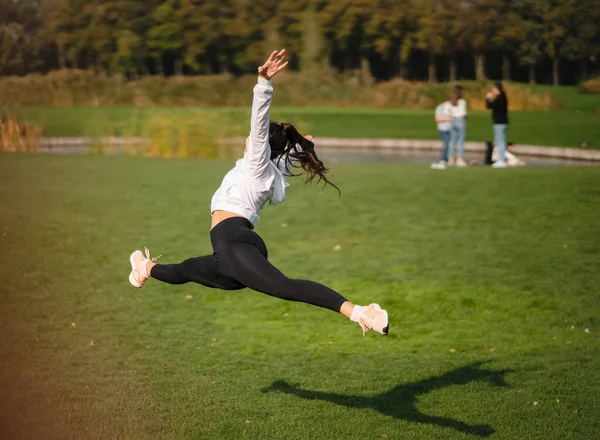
(453, 68)
(556, 71)
(584, 70)
(431, 71)
(144, 67)
(61, 57)
(480, 67)
(313, 46)
(159, 65)
(224, 67)
(531, 74)
(365, 71)
(272, 38)
(505, 67)
(402, 71)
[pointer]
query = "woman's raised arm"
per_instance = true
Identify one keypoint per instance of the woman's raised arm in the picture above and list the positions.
(258, 155)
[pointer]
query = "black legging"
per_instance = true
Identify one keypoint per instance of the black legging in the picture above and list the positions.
(240, 260)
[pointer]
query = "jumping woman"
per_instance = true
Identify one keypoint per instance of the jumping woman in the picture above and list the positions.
(240, 255)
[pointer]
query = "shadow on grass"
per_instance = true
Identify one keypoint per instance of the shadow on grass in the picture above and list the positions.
(399, 402)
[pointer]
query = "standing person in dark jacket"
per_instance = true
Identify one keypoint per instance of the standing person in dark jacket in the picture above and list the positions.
(497, 102)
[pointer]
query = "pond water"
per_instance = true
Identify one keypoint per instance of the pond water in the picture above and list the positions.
(428, 157)
(369, 155)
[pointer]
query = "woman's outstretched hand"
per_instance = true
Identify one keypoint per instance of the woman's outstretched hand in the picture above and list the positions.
(273, 65)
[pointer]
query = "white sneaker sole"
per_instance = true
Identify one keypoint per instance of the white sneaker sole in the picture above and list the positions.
(132, 280)
(386, 327)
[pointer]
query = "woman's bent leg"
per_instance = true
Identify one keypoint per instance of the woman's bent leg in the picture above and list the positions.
(201, 270)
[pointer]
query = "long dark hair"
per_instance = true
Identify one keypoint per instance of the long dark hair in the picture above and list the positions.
(456, 94)
(283, 138)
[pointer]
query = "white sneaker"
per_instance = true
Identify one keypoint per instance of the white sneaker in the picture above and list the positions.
(460, 163)
(499, 164)
(373, 317)
(138, 276)
(441, 165)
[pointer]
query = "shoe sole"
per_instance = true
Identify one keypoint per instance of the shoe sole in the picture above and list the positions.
(132, 280)
(385, 329)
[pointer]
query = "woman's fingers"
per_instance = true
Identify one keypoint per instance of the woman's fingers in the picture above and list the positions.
(282, 66)
(272, 65)
(280, 55)
(275, 57)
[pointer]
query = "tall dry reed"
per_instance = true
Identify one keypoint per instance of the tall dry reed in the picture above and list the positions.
(203, 137)
(17, 135)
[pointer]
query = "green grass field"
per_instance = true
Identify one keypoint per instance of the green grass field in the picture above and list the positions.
(564, 128)
(490, 278)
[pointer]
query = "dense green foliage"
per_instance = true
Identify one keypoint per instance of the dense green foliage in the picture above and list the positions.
(490, 277)
(414, 39)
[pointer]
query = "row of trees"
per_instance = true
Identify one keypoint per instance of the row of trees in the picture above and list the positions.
(383, 37)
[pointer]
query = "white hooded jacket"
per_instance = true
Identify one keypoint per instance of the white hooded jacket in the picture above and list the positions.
(255, 179)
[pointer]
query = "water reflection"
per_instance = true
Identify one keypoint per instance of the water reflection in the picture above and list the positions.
(422, 157)
(360, 155)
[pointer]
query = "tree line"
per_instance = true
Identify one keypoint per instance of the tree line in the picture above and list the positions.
(406, 39)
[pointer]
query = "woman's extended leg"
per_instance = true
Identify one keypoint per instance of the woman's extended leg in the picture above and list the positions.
(246, 264)
(201, 270)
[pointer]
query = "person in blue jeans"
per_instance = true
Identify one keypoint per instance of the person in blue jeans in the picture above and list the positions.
(444, 126)
(497, 102)
(458, 112)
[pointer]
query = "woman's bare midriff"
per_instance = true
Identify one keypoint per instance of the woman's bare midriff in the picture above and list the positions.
(219, 216)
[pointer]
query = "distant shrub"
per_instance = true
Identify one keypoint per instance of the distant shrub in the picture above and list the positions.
(520, 97)
(590, 86)
(84, 88)
(169, 135)
(17, 135)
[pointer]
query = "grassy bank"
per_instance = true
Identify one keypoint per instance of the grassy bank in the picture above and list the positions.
(564, 128)
(199, 108)
(82, 88)
(490, 279)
